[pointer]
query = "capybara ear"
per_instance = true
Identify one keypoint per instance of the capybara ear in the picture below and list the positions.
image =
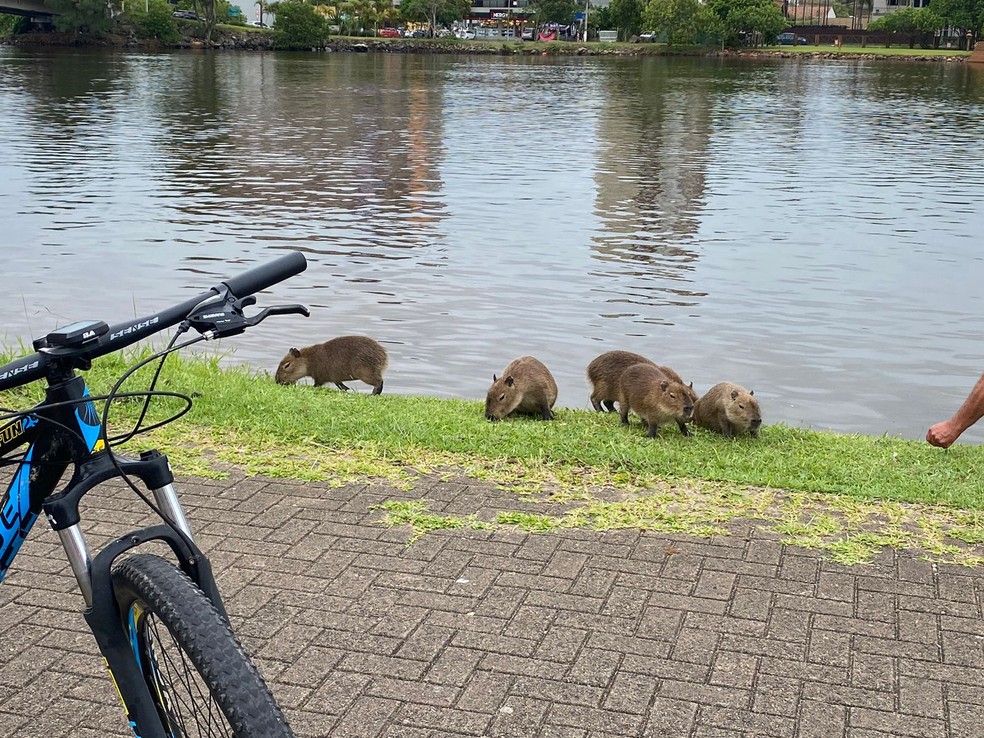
(734, 394)
(691, 385)
(494, 379)
(663, 385)
(510, 381)
(295, 353)
(751, 392)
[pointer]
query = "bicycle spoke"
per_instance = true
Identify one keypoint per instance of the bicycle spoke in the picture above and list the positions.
(188, 703)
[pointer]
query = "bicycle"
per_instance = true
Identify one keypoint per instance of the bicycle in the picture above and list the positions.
(161, 627)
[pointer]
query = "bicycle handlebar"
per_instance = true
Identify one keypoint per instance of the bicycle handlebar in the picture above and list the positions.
(31, 368)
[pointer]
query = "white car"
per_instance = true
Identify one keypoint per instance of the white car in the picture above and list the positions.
(468, 34)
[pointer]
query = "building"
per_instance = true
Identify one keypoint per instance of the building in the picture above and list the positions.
(880, 8)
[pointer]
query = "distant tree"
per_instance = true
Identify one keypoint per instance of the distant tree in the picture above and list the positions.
(760, 18)
(915, 24)
(11, 25)
(683, 22)
(80, 16)
(602, 18)
(298, 25)
(627, 17)
(964, 15)
(434, 12)
(554, 11)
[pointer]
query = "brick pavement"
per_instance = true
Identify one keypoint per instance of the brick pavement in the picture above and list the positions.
(471, 632)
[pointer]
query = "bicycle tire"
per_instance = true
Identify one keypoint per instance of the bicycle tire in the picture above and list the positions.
(151, 592)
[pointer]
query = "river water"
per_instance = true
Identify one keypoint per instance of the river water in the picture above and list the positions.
(810, 230)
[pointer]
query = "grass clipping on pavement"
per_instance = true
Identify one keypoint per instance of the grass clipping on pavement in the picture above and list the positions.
(848, 495)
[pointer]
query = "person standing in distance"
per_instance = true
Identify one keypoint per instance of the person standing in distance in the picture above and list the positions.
(944, 433)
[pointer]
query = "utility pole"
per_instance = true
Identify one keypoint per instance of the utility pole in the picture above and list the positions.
(586, 3)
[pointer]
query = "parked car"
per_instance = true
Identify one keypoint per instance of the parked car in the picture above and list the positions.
(527, 34)
(467, 34)
(648, 36)
(419, 33)
(389, 33)
(259, 24)
(791, 39)
(187, 14)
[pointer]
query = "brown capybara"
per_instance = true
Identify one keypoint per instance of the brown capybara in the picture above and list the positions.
(729, 409)
(654, 397)
(526, 386)
(604, 372)
(336, 361)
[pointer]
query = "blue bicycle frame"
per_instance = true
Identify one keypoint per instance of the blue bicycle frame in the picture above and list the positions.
(63, 431)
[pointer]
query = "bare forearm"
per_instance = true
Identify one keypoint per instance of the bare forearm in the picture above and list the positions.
(972, 409)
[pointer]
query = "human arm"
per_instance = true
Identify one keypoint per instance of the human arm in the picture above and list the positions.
(944, 433)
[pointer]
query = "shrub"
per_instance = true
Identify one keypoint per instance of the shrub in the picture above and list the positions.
(299, 26)
(156, 21)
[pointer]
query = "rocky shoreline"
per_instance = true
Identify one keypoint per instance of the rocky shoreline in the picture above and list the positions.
(226, 38)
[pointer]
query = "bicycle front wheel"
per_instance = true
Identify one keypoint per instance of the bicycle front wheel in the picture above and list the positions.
(201, 680)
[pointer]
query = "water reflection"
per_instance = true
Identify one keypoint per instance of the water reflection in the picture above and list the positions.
(806, 229)
(654, 136)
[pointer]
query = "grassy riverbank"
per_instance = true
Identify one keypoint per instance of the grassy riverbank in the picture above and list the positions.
(850, 494)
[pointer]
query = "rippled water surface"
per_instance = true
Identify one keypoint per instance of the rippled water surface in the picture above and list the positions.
(812, 231)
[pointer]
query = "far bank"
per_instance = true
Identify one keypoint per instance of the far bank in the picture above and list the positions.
(241, 38)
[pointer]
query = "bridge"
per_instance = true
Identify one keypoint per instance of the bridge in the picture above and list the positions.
(24, 7)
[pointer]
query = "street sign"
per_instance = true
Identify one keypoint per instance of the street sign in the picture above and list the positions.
(579, 16)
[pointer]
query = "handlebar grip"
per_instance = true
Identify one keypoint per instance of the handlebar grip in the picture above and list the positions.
(23, 371)
(261, 277)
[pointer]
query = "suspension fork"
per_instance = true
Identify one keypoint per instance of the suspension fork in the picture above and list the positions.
(95, 578)
(62, 511)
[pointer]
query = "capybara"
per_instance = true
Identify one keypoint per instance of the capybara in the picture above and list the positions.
(729, 409)
(604, 372)
(654, 397)
(336, 361)
(526, 386)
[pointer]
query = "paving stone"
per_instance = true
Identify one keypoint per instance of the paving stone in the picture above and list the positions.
(581, 634)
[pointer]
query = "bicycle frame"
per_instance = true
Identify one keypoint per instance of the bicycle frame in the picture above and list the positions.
(65, 430)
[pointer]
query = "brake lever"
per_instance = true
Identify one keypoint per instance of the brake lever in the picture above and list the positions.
(278, 310)
(222, 316)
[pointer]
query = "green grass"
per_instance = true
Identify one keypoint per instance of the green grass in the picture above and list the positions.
(848, 494)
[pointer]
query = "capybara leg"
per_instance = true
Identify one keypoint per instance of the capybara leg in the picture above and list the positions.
(610, 404)
(547, 412)
(378, 389)
(595, 403)
(341, 386)
(683, 428)
(726, 429)
(653, 428)
(623, 414)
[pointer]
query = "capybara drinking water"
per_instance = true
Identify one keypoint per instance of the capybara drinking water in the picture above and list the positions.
(729, 409)
(526, 386)
(336, 361)
(654, 397)
(604, 372)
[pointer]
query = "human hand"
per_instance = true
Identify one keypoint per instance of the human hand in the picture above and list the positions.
(943, 434)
